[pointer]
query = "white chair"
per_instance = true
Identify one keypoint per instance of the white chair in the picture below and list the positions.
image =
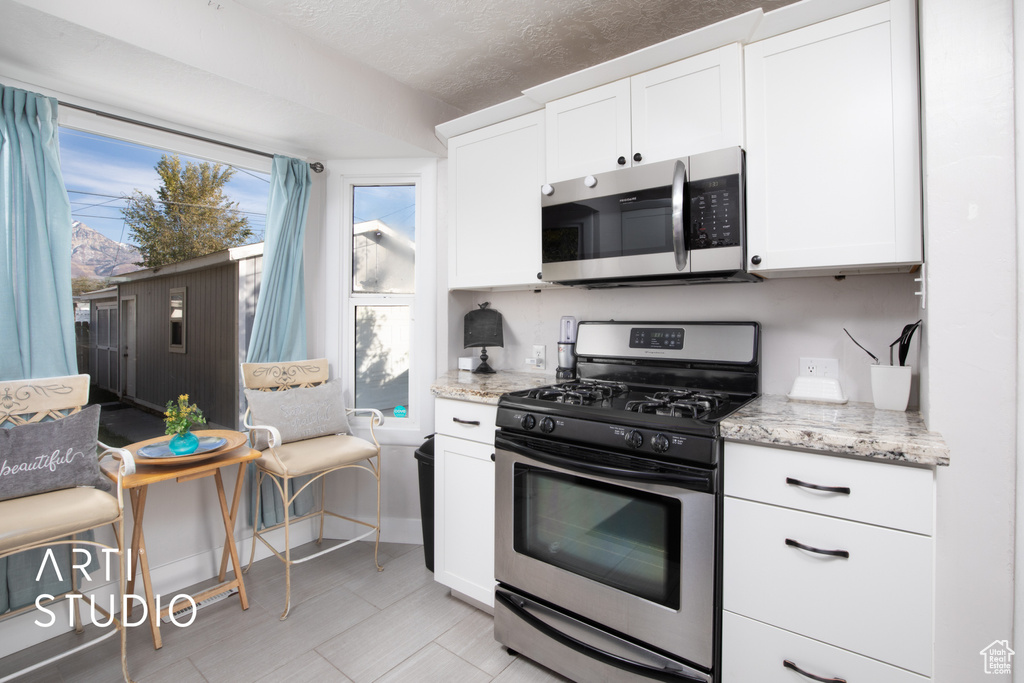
(57, 517)
(309, 439)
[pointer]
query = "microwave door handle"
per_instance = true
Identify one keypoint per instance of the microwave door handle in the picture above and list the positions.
(679, 214)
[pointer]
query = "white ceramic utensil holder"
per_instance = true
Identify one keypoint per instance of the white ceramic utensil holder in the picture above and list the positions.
(890, 386)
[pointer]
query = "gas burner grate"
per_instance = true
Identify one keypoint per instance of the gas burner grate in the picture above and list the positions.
(581, 392)
(682, 403)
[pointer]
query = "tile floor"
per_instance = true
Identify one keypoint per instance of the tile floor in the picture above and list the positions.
(347, 623)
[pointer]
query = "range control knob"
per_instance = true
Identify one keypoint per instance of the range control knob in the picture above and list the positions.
(659, 442)
(547, 190)
(590, 181)
(634, 438)
(528, 421)
(547, 425)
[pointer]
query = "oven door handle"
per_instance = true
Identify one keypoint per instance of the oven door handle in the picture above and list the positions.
(636, 668)
(698, 482)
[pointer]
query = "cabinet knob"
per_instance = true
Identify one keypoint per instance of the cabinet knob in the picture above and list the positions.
(755, 259)
(540, 276)
(637, 157)
(621, 161)
(547, 190)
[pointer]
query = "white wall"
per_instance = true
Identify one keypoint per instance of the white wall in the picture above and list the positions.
(799, 317)
(967, 81)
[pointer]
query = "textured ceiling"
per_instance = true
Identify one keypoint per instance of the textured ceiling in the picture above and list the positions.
(475, 53)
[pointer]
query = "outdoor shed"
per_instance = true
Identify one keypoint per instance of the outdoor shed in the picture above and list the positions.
(182, 328)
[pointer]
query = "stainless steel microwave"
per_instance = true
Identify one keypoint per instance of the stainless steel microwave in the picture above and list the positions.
(676, 221)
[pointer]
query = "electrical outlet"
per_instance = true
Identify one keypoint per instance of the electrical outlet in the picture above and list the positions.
(539, 351)
(819, 367)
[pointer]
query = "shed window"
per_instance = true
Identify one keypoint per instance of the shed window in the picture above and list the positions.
(178, 317)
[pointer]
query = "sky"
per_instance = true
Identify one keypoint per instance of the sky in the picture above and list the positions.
(98, 171)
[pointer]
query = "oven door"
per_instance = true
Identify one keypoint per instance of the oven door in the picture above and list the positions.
(630, 549)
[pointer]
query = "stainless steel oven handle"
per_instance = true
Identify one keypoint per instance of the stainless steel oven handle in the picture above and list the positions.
(568, 641)
(679, 215)
(701, 482)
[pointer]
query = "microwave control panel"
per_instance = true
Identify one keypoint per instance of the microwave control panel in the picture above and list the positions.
(715, 212)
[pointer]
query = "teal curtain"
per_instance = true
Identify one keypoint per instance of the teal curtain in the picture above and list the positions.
(35, 242)
(279, 325)
(36, 313)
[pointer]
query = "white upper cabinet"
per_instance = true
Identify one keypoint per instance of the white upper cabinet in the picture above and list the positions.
(494, 176)
(687, 107)
(832, 142)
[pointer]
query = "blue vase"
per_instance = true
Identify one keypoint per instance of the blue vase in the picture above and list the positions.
(184, 444)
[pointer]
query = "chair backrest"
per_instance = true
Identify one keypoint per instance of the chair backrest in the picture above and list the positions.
(38, 400)
(285, 375)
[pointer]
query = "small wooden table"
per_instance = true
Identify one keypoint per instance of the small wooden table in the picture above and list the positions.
(183, 469)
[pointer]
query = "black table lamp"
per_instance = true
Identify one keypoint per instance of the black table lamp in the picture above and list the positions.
(483, 329)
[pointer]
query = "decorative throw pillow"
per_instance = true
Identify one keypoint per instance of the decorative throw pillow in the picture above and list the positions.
(47, 456)
(303, 413)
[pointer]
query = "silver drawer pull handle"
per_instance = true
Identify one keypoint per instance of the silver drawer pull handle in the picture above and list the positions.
(790, 665)
(472, 423)
(817, 487)
(811, 549)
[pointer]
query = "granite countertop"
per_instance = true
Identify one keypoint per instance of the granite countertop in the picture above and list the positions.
(463, 385)
(852, 429)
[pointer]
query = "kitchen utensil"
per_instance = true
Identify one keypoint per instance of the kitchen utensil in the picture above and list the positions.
(904, 342)
(873, 356)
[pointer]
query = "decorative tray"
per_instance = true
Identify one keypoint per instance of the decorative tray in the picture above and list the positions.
(159, 452)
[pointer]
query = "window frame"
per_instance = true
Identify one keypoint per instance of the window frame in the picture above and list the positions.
(171, 294)
(341, 301)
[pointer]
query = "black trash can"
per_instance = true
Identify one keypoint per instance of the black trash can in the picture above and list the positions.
(425, 457)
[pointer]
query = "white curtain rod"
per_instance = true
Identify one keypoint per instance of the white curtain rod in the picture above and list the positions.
(316, 166)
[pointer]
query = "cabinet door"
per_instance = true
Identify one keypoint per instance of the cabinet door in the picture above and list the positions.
(495, 175)
(692, 106)
(833, 161)
(464, 517)
(588, 132)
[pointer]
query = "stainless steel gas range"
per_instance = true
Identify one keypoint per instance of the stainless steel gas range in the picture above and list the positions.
(608, 502)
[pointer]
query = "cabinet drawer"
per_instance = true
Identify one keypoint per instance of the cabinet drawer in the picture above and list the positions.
(752, 651)
(877, 601)
(880, 493)
(466, 420)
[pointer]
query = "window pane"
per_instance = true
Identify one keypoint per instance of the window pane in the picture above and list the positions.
(382, 358)
(383, 239)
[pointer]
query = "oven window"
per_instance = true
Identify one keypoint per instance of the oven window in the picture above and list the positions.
(623, 538)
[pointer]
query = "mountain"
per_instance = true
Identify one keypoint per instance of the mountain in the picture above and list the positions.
(97, 256)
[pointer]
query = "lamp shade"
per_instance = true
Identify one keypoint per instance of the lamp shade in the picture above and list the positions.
(483, 327)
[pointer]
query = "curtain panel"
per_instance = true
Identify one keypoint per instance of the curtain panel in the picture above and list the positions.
(36, 310)
(279, 324)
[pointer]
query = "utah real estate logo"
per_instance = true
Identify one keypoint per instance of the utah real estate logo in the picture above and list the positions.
(998, 657)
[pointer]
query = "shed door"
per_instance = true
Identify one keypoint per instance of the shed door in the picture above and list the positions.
(106, 347)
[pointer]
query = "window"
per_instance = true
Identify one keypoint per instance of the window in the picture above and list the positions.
(382, 294)
(177, 341)
(381, 327)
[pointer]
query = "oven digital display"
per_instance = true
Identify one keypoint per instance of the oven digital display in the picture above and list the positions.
(668, 338)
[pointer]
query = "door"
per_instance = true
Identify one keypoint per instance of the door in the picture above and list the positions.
(129, 354)
(689, 107)
(495, 175)
(599, 537)
(833, 178)
(105, 335)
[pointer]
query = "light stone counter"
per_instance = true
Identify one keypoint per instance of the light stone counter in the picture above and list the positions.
(852, 429)
(463, 385)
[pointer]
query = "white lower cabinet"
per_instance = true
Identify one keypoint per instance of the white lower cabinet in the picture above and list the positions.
(807, 580)
(754, 651)
(464, 498)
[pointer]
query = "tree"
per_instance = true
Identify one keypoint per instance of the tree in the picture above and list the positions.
(81, 285)
(190, 216)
